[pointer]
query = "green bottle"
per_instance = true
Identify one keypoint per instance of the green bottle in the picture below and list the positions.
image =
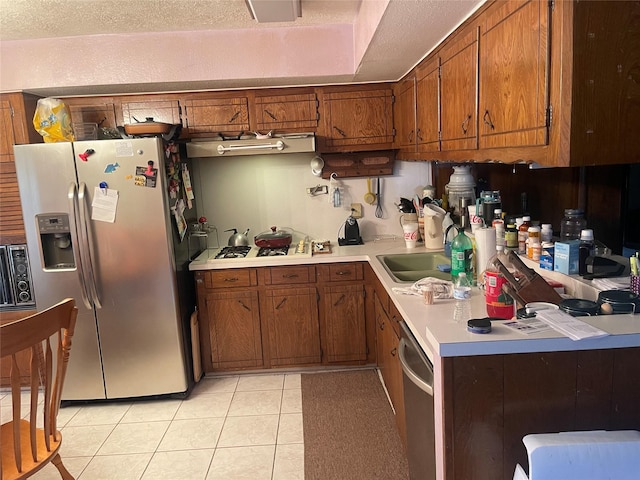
(461, 253)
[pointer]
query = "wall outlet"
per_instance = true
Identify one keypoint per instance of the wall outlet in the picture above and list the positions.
(318, 190)
(356, 210)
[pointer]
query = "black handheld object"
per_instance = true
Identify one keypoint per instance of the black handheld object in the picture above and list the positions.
(479, 325)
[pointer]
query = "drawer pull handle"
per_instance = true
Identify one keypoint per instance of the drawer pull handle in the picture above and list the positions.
(231, 279)
(290, 275)
(243, 305)
(340, 300)
(343, 272)
(465, 125)
(281, 303)
(341, 132)
(486, 118)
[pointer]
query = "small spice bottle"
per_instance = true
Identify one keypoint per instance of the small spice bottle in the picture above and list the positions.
(511, 237)
(523, 234)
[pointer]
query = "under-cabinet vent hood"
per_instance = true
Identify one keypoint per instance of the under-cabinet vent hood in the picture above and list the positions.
(278, 144)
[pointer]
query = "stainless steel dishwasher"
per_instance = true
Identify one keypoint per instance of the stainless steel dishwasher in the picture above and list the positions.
(417, 380)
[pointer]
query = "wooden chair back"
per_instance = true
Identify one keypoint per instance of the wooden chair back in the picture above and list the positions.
(31, 441)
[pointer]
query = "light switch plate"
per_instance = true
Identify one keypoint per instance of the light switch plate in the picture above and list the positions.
(356, 210)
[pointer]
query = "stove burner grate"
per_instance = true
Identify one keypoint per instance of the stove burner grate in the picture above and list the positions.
(233, 252)
(272, 252)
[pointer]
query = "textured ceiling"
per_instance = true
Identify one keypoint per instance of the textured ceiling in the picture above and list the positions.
(407, 30)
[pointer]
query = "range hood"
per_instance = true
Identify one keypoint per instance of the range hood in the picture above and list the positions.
(278, 144)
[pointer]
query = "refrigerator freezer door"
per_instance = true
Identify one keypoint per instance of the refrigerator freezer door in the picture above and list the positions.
(139, 322)
(45, 173)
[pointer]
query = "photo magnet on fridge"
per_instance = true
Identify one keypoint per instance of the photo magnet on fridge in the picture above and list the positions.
(146, 177)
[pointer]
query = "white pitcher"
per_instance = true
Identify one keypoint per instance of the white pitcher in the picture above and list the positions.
(433, 234)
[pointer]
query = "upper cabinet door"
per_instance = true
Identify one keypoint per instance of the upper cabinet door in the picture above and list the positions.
(404, 114)
(428, 106)
(289, 113)
(165, 111)
(459, 93)
(514, 48)
(217, 115)
(358, 120)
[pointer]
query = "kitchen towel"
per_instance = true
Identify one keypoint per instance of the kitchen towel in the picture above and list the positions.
(485, 249)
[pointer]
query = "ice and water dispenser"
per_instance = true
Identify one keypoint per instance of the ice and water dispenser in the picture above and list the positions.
(55, 241)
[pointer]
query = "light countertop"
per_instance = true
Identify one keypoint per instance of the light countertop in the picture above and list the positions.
(433, 325)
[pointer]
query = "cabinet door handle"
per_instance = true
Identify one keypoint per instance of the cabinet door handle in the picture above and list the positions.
(273, 117)
(394, 351)
(341, 132)
(243, 305)
(340, 300)
(411, 136)
(419, 135)
(233, 119)
(465, 124)
(281, 303)
(486, 118)
(381, 325)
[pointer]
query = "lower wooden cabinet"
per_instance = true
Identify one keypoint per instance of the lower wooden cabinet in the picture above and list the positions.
(234, 329)
(299, 315)
(290, 316)
(387, 342)
(344, 323)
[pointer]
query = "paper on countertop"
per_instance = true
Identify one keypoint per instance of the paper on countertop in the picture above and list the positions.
(613, 283)
(568, 325)
(104, 204)
(527, 326)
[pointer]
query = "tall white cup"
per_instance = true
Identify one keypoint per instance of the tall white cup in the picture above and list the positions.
(410, 234)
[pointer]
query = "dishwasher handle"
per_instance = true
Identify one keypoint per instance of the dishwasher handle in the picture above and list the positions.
(413, 376)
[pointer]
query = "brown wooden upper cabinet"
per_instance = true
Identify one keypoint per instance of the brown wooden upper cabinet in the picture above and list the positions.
(458, 92)
(428, 105)
(161, 110)
(514, 65)
(287, 113)
(16, 127)
(210, 116)
(102, 113)
(355, 120)
(404, 114)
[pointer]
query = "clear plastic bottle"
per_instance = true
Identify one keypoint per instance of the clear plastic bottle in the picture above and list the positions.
(572, 224)
(462, 296)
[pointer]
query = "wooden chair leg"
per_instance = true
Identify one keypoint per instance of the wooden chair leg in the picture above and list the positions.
(64, 473)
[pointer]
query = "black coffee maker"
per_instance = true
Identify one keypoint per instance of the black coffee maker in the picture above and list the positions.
(351, 233)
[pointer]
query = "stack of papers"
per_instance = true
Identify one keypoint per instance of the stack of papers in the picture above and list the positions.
(570, 326)
(616, 283)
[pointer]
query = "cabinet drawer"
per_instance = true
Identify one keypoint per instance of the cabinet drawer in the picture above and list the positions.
(289, 275)
(342, 272)
(236, 277)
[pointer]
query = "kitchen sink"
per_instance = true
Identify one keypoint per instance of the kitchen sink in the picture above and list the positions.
(410, 267)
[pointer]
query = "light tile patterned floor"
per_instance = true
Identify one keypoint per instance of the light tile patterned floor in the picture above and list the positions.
(231, 428)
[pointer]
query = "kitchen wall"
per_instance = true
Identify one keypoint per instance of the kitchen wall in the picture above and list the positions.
(257, 192)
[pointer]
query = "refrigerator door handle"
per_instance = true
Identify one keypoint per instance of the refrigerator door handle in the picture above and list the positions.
(85, 222)
(72, 196)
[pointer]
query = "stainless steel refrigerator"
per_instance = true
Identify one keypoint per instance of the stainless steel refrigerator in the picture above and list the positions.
(100, 229)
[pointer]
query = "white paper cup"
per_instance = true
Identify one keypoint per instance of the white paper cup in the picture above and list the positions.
(474, 220)
(410, 234)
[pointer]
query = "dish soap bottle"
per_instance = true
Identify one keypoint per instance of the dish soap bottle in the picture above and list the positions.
(461, 253)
